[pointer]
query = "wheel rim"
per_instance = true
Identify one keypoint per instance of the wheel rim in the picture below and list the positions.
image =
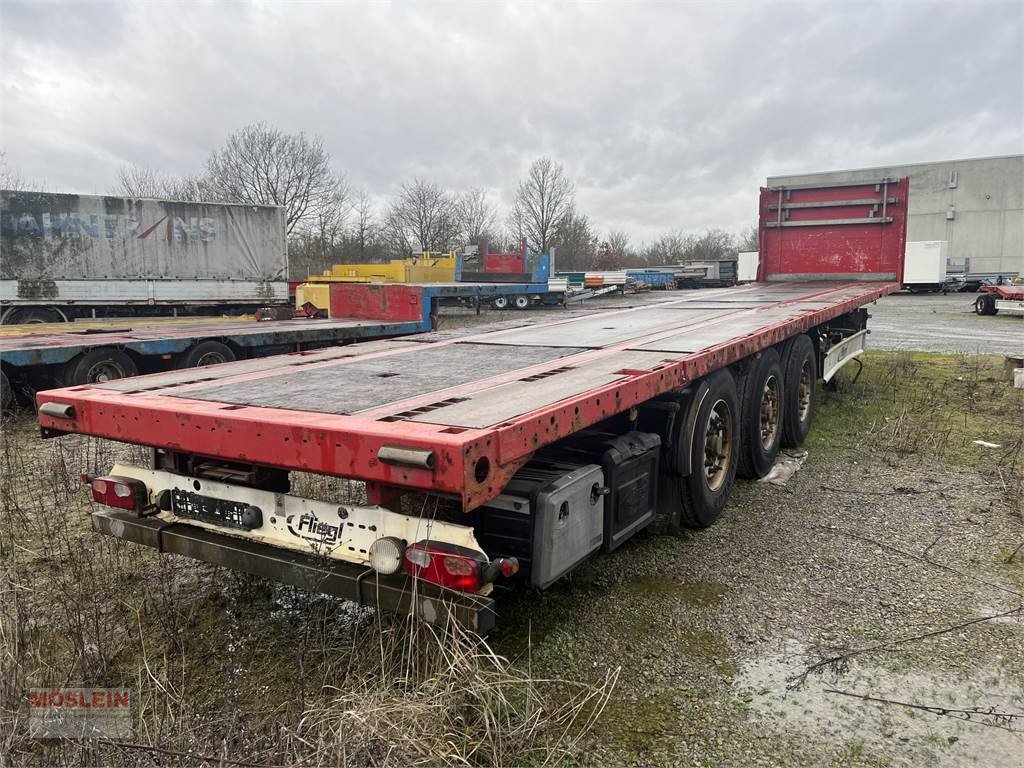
(104, 371)
(210, 358)
(769, 425)
(501, 302)
(522, 302)
(718, 437)
(804, 390)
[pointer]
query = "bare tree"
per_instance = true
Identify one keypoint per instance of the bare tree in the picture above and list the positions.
(542, 201)
(671, 248)
(11, 179)
(575, 241)
(262, 165)
(364, 229)
(136, 181)
(748, 239)
(713, 244)
(619, 247)
(476, 216)
(422, 217)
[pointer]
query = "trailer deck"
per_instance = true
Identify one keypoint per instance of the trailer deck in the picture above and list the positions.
(478, 404)
(52, 344)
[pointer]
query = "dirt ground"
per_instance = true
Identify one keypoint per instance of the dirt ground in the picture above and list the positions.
(868, 611)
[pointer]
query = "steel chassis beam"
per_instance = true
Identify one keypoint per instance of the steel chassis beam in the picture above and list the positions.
(318, 574)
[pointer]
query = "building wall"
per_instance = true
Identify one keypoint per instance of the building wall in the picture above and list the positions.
(985, 196)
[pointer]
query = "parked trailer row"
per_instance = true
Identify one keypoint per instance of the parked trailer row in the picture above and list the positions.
(34, 357)
(528, 449)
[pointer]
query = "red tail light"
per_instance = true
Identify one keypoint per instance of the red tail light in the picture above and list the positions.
(446, 565)
(120, 492)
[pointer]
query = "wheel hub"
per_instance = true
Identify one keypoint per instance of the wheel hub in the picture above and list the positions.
(718, 437)
(101, 373)
(769, 426)
(804, 389)
(210, 358)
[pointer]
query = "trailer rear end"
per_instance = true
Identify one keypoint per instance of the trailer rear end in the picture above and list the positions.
(506, 457)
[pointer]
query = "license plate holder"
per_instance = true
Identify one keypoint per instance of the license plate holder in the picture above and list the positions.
(209, 509)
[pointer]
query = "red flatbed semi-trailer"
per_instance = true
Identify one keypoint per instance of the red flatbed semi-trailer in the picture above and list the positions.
(701, 387)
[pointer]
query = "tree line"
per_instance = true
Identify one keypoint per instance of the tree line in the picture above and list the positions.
(330, 221)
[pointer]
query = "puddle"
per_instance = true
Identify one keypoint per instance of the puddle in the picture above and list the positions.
(640, 725)
(898, 733)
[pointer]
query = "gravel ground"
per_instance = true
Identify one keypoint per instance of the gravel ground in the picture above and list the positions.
(934, 322)
(711, 631)
(896, 525)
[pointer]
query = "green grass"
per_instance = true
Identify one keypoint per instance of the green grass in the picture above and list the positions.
(929, 404)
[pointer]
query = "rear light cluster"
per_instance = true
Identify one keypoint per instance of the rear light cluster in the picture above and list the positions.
(119, 492)
(447, 565)
(454, 567)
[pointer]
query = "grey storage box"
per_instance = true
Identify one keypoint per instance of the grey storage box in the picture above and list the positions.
(551, 516)
(630, 464)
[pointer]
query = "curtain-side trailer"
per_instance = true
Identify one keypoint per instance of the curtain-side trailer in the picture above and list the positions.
(527, 450)
(65, 256)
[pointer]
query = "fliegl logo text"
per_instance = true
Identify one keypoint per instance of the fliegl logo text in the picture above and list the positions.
(312, 529)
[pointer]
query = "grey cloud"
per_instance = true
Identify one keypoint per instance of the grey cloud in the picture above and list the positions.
(668, 116)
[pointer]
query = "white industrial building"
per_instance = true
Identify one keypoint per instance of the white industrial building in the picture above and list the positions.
(976, 205)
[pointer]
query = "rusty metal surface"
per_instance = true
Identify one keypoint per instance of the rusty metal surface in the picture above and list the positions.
(537, 402)
(362, 383)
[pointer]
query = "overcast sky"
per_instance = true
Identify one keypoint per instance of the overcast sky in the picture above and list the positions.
(667, 116)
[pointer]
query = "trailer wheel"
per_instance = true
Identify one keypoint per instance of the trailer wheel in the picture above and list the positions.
(6, 392)
(206, 353)
(762, 397)
(98, 366)
(522, 301)
(34, 315)
(712, 437)
(985, 304)
(500, 302)
(800, 390)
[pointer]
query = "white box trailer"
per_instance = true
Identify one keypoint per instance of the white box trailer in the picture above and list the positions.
(746, 268)
(924, 269)
(64, 256)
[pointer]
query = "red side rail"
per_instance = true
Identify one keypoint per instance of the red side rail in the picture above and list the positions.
(837, 231)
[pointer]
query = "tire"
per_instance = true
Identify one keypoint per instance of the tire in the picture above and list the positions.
(33, 315)
(800, 390)
(206, 353)
(985, 304)
(762, 398)
(6, 393)
(521, 301)
(500, 302)
(98, 366)
(712, 425)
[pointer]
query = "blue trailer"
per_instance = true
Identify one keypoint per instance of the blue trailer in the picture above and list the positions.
(655, 278)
